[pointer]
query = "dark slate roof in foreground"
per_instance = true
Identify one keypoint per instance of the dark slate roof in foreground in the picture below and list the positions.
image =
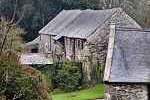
(131, 57)
(77, 23)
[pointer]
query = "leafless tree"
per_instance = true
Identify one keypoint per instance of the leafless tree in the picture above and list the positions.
(8, 31)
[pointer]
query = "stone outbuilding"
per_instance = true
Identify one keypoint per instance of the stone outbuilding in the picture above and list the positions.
(127, 71)
(71, 30)
(82, 36)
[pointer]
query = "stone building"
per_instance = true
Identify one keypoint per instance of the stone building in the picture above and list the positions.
(127, 71)
(80, 35)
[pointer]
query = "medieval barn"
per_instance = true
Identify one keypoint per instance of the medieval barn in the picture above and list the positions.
(127, 71)
(80, 35)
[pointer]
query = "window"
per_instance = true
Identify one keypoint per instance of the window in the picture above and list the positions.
(35, 50)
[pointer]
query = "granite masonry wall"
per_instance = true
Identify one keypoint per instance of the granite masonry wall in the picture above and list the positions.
(126, 92)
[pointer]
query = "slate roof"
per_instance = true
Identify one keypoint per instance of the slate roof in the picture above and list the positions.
(34, 58)
(60, 22)
(34, 42)
(77, 23)
(131, 57)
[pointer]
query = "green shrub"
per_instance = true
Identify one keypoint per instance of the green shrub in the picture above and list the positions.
(65, 76)
(97, 73)
(47, 71)
(20, 83)
(68, 76)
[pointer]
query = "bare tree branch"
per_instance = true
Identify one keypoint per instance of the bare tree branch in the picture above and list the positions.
(14, 13)
(5, 38)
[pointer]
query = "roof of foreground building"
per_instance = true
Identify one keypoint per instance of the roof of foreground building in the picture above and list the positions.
(129, 59)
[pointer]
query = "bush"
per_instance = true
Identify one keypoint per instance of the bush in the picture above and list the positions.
(68, 76)
(65, 76)
(97, 73)
(20, 83)
(47, 71)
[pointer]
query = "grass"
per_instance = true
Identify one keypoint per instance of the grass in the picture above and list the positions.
(86, 94)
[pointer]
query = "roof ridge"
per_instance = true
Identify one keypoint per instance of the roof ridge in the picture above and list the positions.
(93, 11)
(71, 10)
(131, 29)
(116, 8)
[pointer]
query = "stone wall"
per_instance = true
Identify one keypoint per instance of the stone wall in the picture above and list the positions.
(126, 92)
(73, 46)
(45, 43)
(96, 46)
(94, 55)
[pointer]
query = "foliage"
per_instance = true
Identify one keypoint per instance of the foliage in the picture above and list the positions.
(92, 93)
(68, 76)
(20, 83)
(32, 15)
(97, 73)
(10, 37)
(47, 71)
(17, 82)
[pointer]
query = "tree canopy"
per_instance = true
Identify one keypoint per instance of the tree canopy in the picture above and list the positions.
(20, 83)
(10, 37)
(32, 15)
(17, 82)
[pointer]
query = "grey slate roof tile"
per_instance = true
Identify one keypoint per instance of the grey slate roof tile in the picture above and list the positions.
(77, 23)
(86, 23)
(34, 42)
(131, 57)
(60, 22)
(34, 58)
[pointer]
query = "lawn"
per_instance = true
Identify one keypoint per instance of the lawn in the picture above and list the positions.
(86, 94)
